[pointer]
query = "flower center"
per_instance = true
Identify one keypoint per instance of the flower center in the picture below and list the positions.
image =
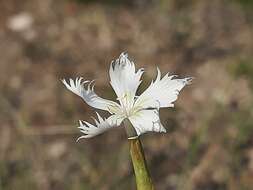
(126, 104)
(126, 108)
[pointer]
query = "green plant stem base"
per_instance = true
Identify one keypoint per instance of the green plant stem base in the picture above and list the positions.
(143, 179)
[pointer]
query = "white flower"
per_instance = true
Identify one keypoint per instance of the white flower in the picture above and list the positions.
(142, 111)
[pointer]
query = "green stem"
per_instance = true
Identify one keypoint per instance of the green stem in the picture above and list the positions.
(142, 176)
(143, 179)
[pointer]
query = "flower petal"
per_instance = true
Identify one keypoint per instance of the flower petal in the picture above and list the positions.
(124, 79)
(147, 120)
(101, 125)
(88, 95)
(162, 92)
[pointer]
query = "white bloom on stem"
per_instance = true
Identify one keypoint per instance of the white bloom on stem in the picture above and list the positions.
(142, 111)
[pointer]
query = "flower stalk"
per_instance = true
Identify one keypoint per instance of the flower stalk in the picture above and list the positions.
(142, 175)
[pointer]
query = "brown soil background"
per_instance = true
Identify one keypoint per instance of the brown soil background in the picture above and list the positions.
(209, 144)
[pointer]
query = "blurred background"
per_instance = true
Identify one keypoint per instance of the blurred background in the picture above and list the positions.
(209, 144)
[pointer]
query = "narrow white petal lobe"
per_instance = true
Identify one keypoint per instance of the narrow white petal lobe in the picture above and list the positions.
(85, 89)
(162, 92)
(101, 125)
(147, 120)
(125, 80)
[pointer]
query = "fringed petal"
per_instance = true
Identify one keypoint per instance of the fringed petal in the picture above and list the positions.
(125, 80)
(162, 92)
(101, 125)
(147, 120)
(85, 89)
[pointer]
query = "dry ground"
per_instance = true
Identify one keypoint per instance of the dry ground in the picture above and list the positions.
(209, 144)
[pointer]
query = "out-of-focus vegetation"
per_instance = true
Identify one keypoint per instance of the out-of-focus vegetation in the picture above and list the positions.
(209, 144)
